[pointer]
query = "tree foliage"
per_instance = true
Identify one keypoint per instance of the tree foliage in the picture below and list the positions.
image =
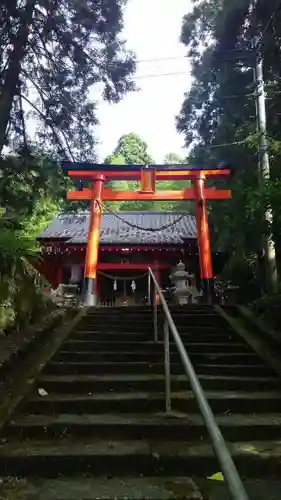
(29, 183)
(132, 150)
(54, 58)
(52, 54)
(32, 192)
(21, 298)
(218, 117)
(173, 159)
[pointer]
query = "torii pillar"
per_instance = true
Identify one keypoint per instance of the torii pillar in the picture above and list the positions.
(203, 240)
(91, 262)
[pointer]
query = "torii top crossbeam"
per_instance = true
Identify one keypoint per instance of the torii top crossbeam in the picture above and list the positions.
(86, 171)
(148, 175)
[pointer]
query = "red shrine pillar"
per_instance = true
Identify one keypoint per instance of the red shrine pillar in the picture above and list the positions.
(90, 272)
(203, 239)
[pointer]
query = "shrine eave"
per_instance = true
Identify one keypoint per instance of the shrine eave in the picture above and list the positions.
(129, 228)
(116, 246)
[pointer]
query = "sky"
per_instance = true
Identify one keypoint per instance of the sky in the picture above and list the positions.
(152, 29)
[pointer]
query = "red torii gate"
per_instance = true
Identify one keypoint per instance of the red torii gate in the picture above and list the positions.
(99, 175)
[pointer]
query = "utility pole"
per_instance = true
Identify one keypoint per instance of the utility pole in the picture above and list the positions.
(264, 172)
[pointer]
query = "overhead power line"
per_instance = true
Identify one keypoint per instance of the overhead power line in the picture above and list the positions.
(157, 75)
(270, 20)
(230, 53)
(159, 59)
(227, 144)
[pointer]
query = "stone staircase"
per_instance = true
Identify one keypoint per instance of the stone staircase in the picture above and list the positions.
(95, 426)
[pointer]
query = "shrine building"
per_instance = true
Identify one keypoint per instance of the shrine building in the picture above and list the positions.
(130, 242)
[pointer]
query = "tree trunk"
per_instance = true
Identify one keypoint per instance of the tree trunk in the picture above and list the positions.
(11, 78)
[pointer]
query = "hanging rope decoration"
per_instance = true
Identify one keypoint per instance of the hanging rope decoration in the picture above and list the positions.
(135, 226)
(122, 278)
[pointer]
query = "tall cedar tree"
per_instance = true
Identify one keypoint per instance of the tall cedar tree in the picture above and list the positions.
(218, 116)
(52, 52)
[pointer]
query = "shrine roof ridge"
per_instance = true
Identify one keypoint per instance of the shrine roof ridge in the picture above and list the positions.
(72, 228)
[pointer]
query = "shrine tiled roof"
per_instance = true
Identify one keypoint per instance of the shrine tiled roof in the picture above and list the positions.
(73, 228)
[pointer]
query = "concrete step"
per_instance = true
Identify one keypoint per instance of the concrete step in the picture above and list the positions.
(148, 367)
(104, 323)
(88, 345)
(148, 328)
(144, 312)
(144, 356)
(122, 311)
(131, 488)
(222, 402)
(126, 315)
(112, 336)
(138, 311)
(207, 321)
(105, 488)
(161, 426)
(127, 383)
(109, 335)
(66, 456)
(257, 489)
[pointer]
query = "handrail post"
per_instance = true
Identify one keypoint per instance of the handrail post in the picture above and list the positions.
(149, 288)
(167, 367)
(155, 322)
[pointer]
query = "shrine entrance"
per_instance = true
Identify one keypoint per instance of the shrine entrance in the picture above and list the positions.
(122, 288)
(97, 178)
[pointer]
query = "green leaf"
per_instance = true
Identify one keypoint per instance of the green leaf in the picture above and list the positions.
(218, 476)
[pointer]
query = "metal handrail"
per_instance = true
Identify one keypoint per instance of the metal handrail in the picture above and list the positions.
(230, 473)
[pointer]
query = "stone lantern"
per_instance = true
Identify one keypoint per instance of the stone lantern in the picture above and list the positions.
(180, 278)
